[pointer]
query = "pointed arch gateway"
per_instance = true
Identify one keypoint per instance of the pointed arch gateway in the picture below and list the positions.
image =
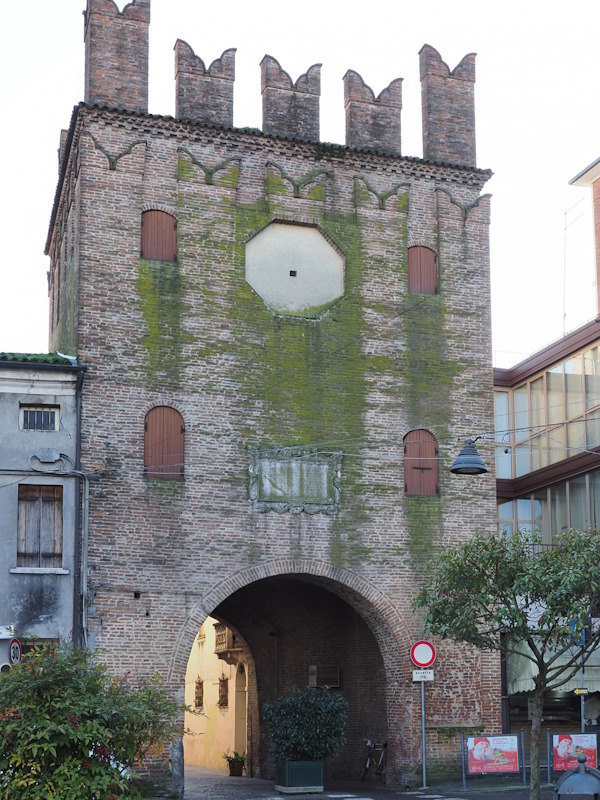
(294, 619)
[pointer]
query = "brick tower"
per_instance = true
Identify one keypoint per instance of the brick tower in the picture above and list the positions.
(285, 342)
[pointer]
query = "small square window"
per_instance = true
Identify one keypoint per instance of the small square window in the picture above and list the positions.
(39, 418)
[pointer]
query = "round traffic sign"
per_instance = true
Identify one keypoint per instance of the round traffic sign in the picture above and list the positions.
(14, 651)
(422, 654)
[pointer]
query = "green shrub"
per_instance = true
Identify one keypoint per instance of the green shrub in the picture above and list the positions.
(69, 731)
(306, 724)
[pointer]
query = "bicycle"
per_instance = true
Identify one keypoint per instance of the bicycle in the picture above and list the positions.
(376, 757)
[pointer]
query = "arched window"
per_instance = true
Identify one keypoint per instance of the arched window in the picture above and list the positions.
(159, 236)
(420, 463)
(422, 270)
(163, 443)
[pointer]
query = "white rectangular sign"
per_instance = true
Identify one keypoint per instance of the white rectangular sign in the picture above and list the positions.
(422, 675)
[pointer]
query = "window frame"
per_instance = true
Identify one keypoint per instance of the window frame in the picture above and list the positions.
(26, 409)
(43, 523)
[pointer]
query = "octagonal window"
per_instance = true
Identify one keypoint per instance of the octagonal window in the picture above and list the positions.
(294, 269)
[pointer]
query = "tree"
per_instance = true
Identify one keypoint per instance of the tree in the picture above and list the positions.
(69, 731)
(512, 594)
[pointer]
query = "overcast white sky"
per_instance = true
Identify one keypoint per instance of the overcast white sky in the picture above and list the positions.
(537, 112)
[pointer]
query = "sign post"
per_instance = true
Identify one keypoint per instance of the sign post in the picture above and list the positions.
(422, 654)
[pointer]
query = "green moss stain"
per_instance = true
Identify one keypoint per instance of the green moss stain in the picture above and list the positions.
(428, 370)
(229, 177)
(428, 375)
(400, 203)
(317, 192)
(161, 291)
(276, 184)
(424, 521)
(185, 169)
(304, 379)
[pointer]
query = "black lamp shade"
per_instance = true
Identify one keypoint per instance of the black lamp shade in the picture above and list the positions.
(468, 461)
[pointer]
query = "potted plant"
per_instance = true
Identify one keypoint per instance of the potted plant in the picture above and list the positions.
(236, 762)
(305, 726)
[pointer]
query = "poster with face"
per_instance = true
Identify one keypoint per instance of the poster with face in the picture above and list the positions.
(492, 754)
(567, 746)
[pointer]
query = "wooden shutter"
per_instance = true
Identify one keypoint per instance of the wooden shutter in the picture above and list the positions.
(422, 270)
(164, 443)
(159, 236)
(39, 527)
(420, 463)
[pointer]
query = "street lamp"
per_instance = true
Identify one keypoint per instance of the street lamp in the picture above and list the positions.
(468, 461)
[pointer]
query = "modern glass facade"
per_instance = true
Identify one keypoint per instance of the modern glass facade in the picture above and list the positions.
(542, 421)
(549, 417)
(573, 503)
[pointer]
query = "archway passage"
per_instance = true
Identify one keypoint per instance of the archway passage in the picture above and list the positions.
(295, 632)
(216, 694)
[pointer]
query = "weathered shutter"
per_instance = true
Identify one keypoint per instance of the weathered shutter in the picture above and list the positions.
(164, 443)
(159, 236)
(39, 527)
(420, 463)
(422, 270)
(51, 526)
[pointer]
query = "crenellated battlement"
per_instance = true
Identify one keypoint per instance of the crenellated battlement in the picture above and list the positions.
(204, 95)
(290, 109)
(116, 54)
(116, 74)
(372, 122)
(448, 105)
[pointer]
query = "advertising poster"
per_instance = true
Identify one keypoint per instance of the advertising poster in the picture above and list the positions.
(493, 754)
(567, 746)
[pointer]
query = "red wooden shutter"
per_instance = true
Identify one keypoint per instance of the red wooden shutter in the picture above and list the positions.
(422, 270)
(159, 236)
(420, 463)
(164, 443)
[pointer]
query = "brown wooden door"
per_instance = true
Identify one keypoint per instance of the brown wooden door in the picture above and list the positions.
(420, 463)
(159, 236)
(422, 270)
(164, 443)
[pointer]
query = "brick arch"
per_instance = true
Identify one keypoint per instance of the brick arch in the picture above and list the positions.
(430, 245)
(183, 410)
(384, 621)
(160, 207)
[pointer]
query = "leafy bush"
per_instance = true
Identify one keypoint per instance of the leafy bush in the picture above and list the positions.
(306, 724)
(69, 731)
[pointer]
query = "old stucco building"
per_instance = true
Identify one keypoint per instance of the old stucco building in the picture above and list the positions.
(286, 342)
(41, 490)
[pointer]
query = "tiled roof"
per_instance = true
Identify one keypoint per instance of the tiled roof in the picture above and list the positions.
(35, 358)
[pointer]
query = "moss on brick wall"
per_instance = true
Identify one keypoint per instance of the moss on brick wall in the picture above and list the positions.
(308, 381)
(162, 291)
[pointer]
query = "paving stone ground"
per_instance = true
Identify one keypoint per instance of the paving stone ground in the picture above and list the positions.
(205, 784)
